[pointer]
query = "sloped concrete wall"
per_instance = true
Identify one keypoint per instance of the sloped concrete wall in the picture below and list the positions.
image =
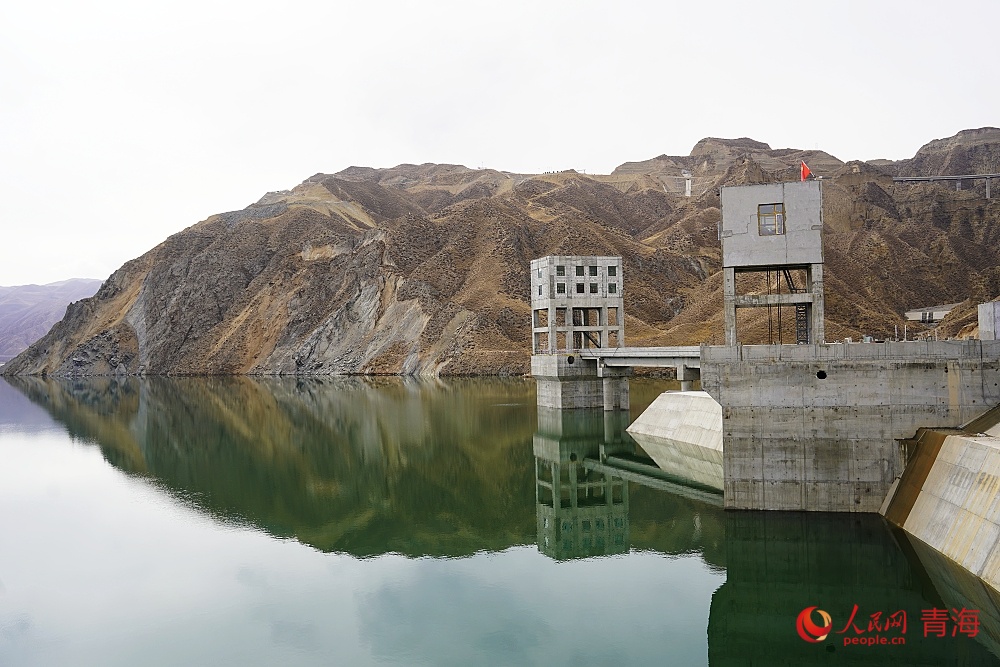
(682, 433)
(949, 496)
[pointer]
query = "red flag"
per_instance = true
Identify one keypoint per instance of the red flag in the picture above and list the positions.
(805, 171)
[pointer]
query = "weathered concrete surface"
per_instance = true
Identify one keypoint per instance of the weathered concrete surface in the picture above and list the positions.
(801, 243)
(814, 427)
(960, 589)
(949, 495)
(567, 382)
(682, 432)
(989, 320)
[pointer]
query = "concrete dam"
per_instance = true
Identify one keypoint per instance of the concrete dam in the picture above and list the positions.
(805, 426)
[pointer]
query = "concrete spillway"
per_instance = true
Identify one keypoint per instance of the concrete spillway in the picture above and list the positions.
(682, 433)
(949, 495)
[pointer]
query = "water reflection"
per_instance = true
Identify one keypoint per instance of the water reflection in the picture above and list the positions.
(579, 512)
(362, 467)
(777, 563)
(587, 460)
(457, 468)
(782, 562)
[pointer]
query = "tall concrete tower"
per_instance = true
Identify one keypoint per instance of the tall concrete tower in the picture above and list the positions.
(775, 228)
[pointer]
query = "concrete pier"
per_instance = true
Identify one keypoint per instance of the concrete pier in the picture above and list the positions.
(566, 382)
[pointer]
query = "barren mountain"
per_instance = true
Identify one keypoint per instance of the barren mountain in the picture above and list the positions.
(28, 311)
(422, 269)
(968, 152)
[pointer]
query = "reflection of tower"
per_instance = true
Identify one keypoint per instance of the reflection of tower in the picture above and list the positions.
(580, 512)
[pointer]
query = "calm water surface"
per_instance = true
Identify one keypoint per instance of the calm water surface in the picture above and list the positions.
(241, 522)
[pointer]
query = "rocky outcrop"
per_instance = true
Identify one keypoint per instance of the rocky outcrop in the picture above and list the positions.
(421, 269)
(968, 152)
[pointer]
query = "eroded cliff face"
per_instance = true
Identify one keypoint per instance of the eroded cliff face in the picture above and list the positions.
(422, 269)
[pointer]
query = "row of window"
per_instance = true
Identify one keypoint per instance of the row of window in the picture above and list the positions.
(580, 288)
(590, 270)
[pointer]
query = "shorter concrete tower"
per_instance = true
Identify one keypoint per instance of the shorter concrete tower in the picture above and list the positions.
(576, 307)
(576, 303)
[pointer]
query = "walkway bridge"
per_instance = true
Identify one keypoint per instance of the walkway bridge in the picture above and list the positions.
(686, 359)
(654, 357)
(958, 179)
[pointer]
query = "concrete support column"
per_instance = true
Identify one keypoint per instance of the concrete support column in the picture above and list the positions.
(989, 321)
(616, 393)
(565, 382)
(552, 331)
(729, 303)
(687, 376)
(817, 328)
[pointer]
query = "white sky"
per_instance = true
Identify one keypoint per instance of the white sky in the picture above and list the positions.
(124, 122)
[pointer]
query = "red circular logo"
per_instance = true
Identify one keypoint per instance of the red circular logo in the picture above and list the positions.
(808, 630)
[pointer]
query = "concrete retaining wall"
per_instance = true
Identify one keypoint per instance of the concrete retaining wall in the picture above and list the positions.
(949, 495)
(814, 427)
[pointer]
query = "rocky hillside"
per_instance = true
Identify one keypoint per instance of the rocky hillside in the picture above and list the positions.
(27, 312)
(422, 269)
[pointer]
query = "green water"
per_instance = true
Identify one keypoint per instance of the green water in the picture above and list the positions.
(238, 522)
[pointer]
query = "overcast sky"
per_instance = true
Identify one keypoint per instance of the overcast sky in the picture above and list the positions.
(123, 122)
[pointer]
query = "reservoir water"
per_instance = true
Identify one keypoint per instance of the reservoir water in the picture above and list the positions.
(232, 521)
